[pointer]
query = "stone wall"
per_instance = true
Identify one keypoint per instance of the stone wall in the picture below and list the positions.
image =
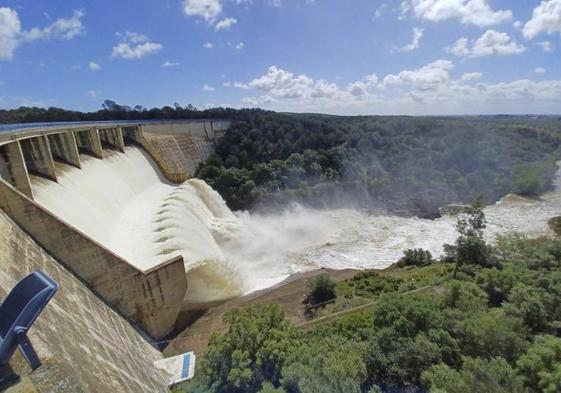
(85, 346)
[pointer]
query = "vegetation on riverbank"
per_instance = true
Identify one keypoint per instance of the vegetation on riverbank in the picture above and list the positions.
(494, 328)
(405, 164)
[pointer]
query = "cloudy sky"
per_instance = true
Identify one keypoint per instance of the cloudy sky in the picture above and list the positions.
(333, 56)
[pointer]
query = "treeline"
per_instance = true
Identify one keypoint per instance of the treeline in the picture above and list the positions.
(112, 111)
(495, 327)
(409, 165)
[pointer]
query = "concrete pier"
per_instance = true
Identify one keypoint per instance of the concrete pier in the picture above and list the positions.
(13, 169)
(38, 156)
(64, 148)
(112, 137)
(89, 142)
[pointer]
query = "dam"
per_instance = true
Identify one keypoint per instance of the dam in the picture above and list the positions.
(31, 158)
(112, 211)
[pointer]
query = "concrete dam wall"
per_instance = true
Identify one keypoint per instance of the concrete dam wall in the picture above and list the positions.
(149, 294)
(84, 344)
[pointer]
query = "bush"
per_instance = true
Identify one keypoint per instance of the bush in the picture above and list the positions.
(322, 289)
(415, 257)
(368, 285)
(555, 225)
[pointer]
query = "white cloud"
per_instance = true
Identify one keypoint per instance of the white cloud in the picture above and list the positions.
(476, 12)
(208, 88)
(94, 66)
(279, 85)
(428, 77)
(540, 71)
(12, 35)
(170, 64)
(239, 85)
(93, 93)
(207, 9)
(471, 76)
(240, 45)
(225, 24)
(429, 89)
(546, 18)
(546, 46)
(64, 29)
(208, 45)
(490, 43)
(380, 10)
(10, 31)
(417, 35)
(134, 46)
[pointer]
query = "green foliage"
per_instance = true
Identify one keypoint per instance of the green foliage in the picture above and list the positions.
(476, 375)
(465, 297)
(404, 164)
(541, 365)
(470, 247)
(530, 178)
(321, 289)
(331, 366)
(269, 388)
(491, 334)
(529, 305)
(485, 333)
(555, 225)
(415, 257)
(368, 285)
(408, 315)
(254, 350)
(393, 360)
(497, 284)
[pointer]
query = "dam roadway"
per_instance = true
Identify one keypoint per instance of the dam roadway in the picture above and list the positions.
(151, 297)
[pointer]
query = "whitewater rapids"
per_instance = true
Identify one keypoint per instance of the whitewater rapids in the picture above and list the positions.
(124, 203)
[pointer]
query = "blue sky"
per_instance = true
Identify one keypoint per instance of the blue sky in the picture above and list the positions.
(332, 56)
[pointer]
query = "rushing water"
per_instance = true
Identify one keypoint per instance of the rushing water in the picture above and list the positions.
(124, 203)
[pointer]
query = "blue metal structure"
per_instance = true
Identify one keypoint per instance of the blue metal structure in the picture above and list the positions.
(18, 312)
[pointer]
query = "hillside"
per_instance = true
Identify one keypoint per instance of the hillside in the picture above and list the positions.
(407, 165)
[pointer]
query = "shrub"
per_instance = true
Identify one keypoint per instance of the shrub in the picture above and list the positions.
(321, 289)
(415, 257)
(555, 225)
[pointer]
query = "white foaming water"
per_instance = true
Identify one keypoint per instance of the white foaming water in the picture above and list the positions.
(124, 203)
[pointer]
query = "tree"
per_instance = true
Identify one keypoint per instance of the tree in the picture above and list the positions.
(541, 365)
(470, 247)
(497, 284)
(394, 360)
(529, 304)
(415, 257)
(253, 351)
(477, 375)
(491, 334)
(555, 225)
(321, 289)
(327, 364)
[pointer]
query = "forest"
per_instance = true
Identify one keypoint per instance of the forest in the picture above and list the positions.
(407, 165)
(480, 319)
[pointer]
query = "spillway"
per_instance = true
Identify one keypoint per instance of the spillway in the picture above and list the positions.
(124, 203)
